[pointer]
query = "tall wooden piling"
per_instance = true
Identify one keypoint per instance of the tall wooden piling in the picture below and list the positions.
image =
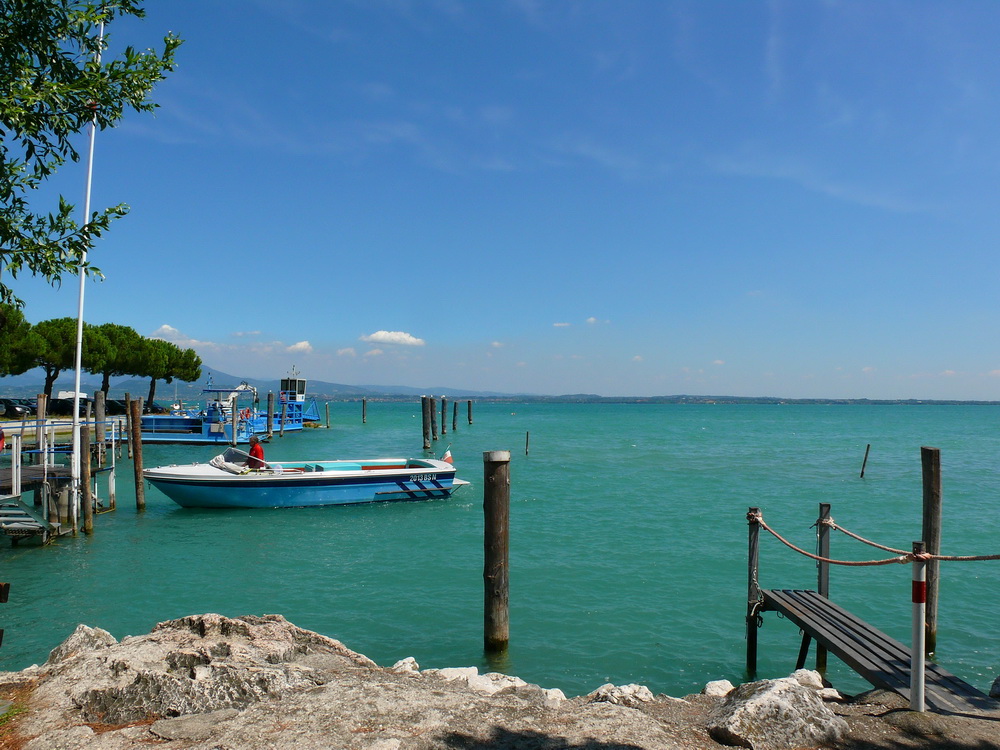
(88, 498)
(426, 421)
(496, 546)
(128, 423)
(930, 461)
(364, 410)
(270, 413)
(527, 441)
(444, 415)
(284, 415)
(234, 420)
(100, 415)
(865, 462)
(470, 411)
(753, 589)
(434, 418)
(822, 572)
(135, 409)
(454, 416)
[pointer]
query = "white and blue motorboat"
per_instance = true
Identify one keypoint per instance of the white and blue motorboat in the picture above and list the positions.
(233, 410)
(227, 482)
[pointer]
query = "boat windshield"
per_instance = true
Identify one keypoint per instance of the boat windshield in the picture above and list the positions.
(235, 456)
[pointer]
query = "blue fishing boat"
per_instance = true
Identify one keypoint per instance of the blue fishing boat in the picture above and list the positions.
(233, 410)
(227, 481)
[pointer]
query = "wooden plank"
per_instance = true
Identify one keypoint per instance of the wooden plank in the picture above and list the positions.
(880, 659)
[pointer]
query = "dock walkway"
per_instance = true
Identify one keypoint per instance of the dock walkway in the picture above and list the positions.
(878, 658)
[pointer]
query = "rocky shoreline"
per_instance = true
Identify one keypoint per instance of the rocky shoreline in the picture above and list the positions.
(212, 682)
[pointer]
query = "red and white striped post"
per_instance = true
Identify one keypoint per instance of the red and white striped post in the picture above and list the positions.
(919, 611)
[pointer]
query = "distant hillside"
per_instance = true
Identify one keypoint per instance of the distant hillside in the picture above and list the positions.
(31, 383)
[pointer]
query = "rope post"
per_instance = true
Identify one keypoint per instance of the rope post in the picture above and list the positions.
(823, 572)
(426, 419)
(753, 589)
(917, 663)
(88, 498)
(496, 546)
(930, 461)
(135, 408)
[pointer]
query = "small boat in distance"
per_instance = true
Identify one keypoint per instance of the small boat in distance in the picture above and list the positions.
(227, 482)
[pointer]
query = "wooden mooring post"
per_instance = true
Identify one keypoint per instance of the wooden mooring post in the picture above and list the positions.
(444, 415)
(865, 462)
(930, 461)
(88, 498)
(454, 416)
(470, 412)
(100, 416)
(364, 411)
(496, 547)
(822, 574)
(434, 418)
(426, 421)
(753, 590)
(135, 409)
(284, 415)
(270, 413)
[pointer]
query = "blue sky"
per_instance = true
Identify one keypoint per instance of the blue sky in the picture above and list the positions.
(640, 197)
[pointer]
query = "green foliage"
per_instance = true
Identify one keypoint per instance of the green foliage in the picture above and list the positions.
(17, 342)
(119, 356)
(51, 88)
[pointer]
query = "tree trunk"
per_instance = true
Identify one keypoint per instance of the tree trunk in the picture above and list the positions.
(152, 392)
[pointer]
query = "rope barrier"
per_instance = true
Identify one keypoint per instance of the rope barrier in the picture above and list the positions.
(904, 557)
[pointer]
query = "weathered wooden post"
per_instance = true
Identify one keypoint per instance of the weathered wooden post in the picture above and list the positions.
(454, 417)
(496, 545)
(100, 438)
(234, 417)
(527, 440)
(426, 421)
(470, 411)
(128, 424)
(270, 413)
(41, 406)
(88, 499)
(918, 648)
(930, 460)
(444, 415)
(434, 418)
(136, 434)
(823, 572)
(753, 589)
(364, 411)
(865, 462)
(284, 415)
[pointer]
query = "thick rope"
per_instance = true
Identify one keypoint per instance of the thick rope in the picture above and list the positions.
(950, 558)
(904, 557)
(760, 520)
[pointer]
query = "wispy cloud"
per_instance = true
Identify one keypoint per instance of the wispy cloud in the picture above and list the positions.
(302, 346)
(561, 325)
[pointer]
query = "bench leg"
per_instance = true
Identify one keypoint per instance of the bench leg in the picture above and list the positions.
(803, 651)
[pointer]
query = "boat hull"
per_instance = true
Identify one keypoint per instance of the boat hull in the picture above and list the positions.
(292, 486)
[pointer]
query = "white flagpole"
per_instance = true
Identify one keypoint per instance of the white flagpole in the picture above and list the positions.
(77, 448)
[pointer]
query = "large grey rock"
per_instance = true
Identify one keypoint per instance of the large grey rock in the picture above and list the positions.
(772, 714)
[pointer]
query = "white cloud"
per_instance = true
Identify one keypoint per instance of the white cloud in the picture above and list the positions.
(239, 334)
(560, 325)
(392, 337)
(374, 353)
(347, 352)
(868, 369)
(497, 344)
(171, 334)
(301, 346)
(591, 320)
(719, 362)
(637, 358)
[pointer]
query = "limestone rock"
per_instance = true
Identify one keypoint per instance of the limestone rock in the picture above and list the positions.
(622, 695)
(995, 689)
(772, 714)
(717, 688)
(808, 678)
(82, 640)
(406, 666)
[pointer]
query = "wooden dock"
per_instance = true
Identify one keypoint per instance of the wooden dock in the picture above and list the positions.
(32, 477)
(881, 660)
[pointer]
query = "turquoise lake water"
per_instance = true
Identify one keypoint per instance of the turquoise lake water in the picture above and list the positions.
(628, 542)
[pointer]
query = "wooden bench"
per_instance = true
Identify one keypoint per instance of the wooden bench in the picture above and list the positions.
(881, 660)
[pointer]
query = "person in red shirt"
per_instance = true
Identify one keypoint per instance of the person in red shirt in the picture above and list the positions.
(256, 460)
